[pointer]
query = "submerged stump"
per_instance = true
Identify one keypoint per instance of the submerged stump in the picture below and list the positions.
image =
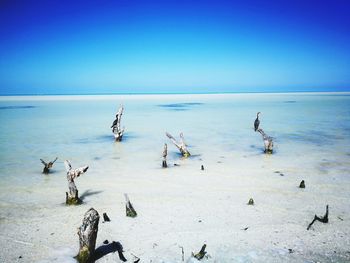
(47, 166)
(116, 128)
(268, 142)
(87, 233)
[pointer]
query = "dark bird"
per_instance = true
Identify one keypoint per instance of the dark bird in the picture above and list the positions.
(47, 166)
(256, 122)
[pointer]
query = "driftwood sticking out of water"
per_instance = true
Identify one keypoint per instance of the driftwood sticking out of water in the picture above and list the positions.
(302, 184)
(180, 145)
(47, 166)
(268, 143)
(130, 211)
(116, 128)
(323, 219)
(165, 153)
(87, 233)
(200, 255)
(72, 197)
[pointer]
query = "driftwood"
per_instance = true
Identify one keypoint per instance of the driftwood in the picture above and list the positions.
(268, 143)
(182, 146)
(323, 219)
(116, 128)
(130, 211)
(87, 233)
(200, 255)
(47, 166)
(302, 184)
(72, 197)
(165, 153)
(256, 122)
(106, 218)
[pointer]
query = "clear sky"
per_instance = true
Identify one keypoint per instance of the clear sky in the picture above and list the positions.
(83, 47)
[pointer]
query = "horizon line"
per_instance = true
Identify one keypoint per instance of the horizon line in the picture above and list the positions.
(172, 93)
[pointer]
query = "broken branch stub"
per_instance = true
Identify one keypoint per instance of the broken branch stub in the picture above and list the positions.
(323, 219)
(165, 153)
(200, 255)
(72, 197)
(268, 142)
(180, 145)
(116, 127)
(87, 233)
(130, 211)
(47, 166)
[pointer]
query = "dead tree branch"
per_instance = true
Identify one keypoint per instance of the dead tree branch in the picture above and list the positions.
(116, 128)
(268, 143)
(182, 146)
(323, 219)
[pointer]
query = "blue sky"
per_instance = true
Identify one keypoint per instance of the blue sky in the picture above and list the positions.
(89, 47)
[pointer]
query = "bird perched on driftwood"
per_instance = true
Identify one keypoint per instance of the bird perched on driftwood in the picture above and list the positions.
(257, 122)
(47, 166)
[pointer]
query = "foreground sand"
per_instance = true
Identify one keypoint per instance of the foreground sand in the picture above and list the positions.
(186, 207)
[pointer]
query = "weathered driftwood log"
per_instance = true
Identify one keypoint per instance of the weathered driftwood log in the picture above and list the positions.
(130, 211)
(116, 128)
(200, 255)
(256, 122)
(72, 197)
(87, 233)
(323, 219)
(165, 153)
(268, 143)
(302, 184)
(182, 146)
(47, 166)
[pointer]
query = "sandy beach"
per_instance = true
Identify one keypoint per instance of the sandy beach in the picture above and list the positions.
(181, 206)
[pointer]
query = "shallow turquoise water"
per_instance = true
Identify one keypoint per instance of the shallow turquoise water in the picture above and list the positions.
(316, 126)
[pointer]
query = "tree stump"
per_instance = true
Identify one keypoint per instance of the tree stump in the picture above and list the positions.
(182, 146)
(268, 142)
(72, 197)
(165, 153)
(130, 211)
(47, 166)
(87, 233)
(116, 128)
